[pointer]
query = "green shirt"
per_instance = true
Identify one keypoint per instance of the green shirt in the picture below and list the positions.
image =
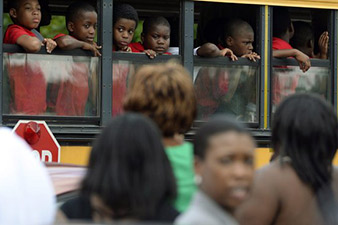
(182, 160)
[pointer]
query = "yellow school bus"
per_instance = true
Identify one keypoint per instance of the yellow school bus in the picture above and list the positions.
(251, 99)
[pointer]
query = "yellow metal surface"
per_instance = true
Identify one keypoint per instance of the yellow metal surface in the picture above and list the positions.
(320, 4)
(78, 155)
(266, 57)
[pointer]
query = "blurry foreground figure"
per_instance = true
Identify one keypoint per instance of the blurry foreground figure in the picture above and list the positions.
(165, 93)
(129, 176)
(224, 171)
(300, 185)
(26, 192)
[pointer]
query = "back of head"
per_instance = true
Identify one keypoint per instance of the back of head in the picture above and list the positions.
(303, 34)
(281, 21)
(232, 28)
(165, 93)
(154, 21)
(13, 4)
(125, 161)
(26, 192)
(74, 10)
(124, 11)
(305, 129)
(216, 125)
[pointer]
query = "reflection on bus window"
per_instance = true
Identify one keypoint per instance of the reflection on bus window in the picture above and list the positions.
(290, 80)
(50, 85)
(231, 90)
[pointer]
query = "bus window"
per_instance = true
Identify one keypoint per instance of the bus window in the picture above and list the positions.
(125, 65)
(223, 86)
(38, 84)
(306, 30)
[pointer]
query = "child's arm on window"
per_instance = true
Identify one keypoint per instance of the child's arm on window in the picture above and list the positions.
(303, 60)
(150, 53)
(211, 50)
(68, 43)
(30, 44)
(323, 44)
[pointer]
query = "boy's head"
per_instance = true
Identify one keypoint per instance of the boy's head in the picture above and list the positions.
(125, 20)
(165, 93)
(282, 25)
(156, 34)
(81, 20)
(303, 38)
(26, 13)
(238, 36)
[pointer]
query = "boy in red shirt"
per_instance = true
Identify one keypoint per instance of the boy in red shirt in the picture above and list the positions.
(72, 93)
(155, 37)
(28, 85)
(283, 31)
(125, 20)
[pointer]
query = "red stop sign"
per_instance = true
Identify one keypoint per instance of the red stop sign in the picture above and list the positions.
(38, 135)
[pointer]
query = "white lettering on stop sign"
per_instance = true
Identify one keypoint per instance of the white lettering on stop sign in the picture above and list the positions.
(46, 155)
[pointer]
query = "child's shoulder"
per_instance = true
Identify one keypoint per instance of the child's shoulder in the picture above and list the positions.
(278, 44)
(14, 31)
(136, 47)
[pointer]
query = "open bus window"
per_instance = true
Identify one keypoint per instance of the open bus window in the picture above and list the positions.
(223, 87)
(37, 84)
(306, 30)
(151, 9)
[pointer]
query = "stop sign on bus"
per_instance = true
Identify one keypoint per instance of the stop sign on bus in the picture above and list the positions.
(38, 135)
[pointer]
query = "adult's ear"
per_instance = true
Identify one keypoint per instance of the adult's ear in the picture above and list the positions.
(12, 13)
(310, 44)
(70, 26)
(291, 30)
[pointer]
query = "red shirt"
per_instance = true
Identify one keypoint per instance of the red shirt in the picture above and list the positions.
(60, 35)
(278, 44)
(14, 31)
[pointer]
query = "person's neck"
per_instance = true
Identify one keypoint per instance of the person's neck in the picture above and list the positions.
(175, 140)
(285, 38)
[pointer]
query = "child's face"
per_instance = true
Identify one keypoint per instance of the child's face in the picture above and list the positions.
(157, 39)
(28, 14)
(123, 33)
(241, 43)
(84, 27)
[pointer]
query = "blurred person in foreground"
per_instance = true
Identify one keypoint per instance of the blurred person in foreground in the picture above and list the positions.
(26, 192)
(129, 176)
(165, 93)
(224, 171)
(300, 185)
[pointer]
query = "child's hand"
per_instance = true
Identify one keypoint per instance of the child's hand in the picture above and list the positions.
(253, 56)
(229, 53)
(50, 44)
(150, 53)
(94, 48)
(323, 44)
(303, 60)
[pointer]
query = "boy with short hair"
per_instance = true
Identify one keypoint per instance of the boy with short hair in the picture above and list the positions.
(72, 93)
(155, 37)
(125, 20)
(28, 84)
(235, 41)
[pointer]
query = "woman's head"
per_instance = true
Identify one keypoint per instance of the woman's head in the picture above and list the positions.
(305, 129)
(165, 93)
(128, 168)
(224, 160)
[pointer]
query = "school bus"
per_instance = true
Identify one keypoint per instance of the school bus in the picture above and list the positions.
(251, 99)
